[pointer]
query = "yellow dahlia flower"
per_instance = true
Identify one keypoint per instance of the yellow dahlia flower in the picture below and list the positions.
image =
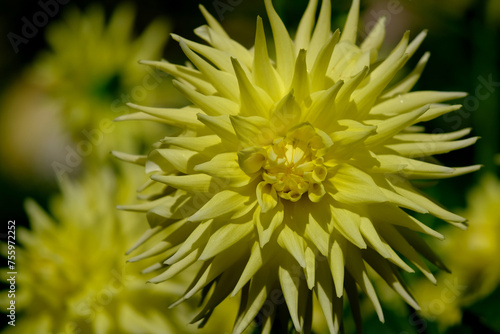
(291, 176)
(71, 270)
(472, 258)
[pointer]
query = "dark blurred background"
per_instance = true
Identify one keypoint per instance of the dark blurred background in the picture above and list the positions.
(463, 40)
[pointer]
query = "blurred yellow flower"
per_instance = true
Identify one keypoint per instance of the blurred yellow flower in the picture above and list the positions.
(91, 69)
(72, 272)
(291, 176)
(90, 62)
(480, 264)
(472, 257)
(66, 100)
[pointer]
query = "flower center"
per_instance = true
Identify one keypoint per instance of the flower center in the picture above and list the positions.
(294, 165)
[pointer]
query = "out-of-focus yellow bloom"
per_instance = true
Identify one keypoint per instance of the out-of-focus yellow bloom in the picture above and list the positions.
(72, 271)
(292, 176)
(91, 71)
(64, 103)
(441, 302)
(90, 64)
(472, 257)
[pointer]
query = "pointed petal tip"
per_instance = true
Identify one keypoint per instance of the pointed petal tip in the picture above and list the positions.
(446, 269)
(175, 37)
(156, 177)
(468, 169)
(464, 225)
(132, 105)
(149, 62)
(404, 40)
(439, 236)
(182, 42)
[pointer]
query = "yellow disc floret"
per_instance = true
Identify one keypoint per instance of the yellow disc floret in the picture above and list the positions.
(294, 165)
